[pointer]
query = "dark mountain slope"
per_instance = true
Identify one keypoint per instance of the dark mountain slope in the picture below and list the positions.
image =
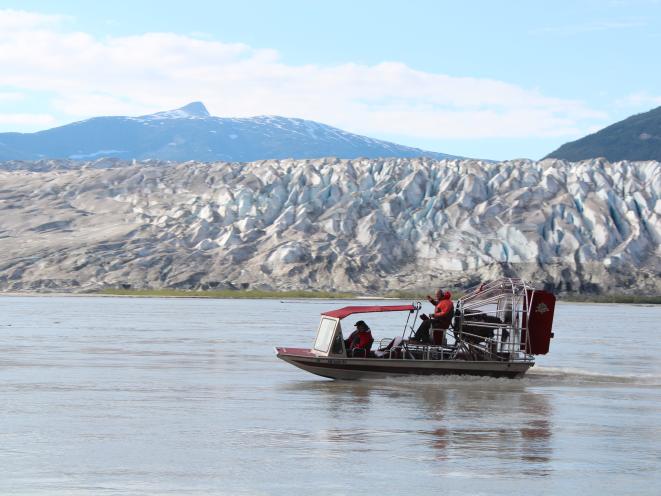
(635, 138)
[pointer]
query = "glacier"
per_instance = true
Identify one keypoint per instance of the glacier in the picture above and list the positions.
(363, 225)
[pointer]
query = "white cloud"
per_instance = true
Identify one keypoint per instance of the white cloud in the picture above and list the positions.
(16, 20)
(11, 96)
(27, 119)
(155, 71)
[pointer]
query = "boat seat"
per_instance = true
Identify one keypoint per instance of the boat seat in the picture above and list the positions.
(394, 342)
(362, 352)
(391, 349)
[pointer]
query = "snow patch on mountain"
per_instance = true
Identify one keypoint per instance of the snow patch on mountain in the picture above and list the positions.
(99, 153)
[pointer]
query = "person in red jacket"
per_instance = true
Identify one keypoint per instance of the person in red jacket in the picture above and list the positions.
(360, 339)
(440, 319)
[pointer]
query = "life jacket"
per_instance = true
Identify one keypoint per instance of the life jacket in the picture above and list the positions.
(349, 340)
(444, 311)
(362, 340)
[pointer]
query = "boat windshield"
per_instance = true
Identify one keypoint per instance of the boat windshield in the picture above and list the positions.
(325, 334)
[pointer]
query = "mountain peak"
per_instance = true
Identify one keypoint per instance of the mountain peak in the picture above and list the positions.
(196, 109)
(191, 133)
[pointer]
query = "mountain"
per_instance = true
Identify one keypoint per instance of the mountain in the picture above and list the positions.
(369, 225)
(635, 138)
(190, 133)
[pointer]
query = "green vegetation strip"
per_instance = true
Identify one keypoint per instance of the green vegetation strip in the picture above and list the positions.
(225, 293)
(401, 295)
(613, 298)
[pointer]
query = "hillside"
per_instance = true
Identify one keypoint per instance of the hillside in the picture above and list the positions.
(190, 133)
(635, 138)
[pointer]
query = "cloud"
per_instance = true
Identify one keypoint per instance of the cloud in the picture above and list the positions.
(11, 96)
(138, 74)
(17, 20)
(27, 119)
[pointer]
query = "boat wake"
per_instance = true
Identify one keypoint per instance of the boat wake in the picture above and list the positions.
(574, 376)
(535, 377)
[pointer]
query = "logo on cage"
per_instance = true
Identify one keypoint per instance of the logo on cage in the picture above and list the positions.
(542, 308)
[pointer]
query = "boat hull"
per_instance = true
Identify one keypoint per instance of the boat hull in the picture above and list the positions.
(362, 368)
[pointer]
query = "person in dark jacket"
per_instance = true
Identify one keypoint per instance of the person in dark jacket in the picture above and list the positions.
(360, 339)
(440, 319)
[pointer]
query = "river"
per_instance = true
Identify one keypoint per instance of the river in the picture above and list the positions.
(148, 396)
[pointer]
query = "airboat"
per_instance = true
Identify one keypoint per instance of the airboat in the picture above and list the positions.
(497, 330)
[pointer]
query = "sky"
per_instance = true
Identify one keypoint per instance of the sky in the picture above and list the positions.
(496, 80)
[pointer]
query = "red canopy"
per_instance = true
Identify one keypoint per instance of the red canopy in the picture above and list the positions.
(340, 313)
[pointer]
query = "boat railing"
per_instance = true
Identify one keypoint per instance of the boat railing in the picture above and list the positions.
(490, 324)
(466, 346)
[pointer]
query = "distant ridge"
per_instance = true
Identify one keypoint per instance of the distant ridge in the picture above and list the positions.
(635, 138)
(191, 133)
